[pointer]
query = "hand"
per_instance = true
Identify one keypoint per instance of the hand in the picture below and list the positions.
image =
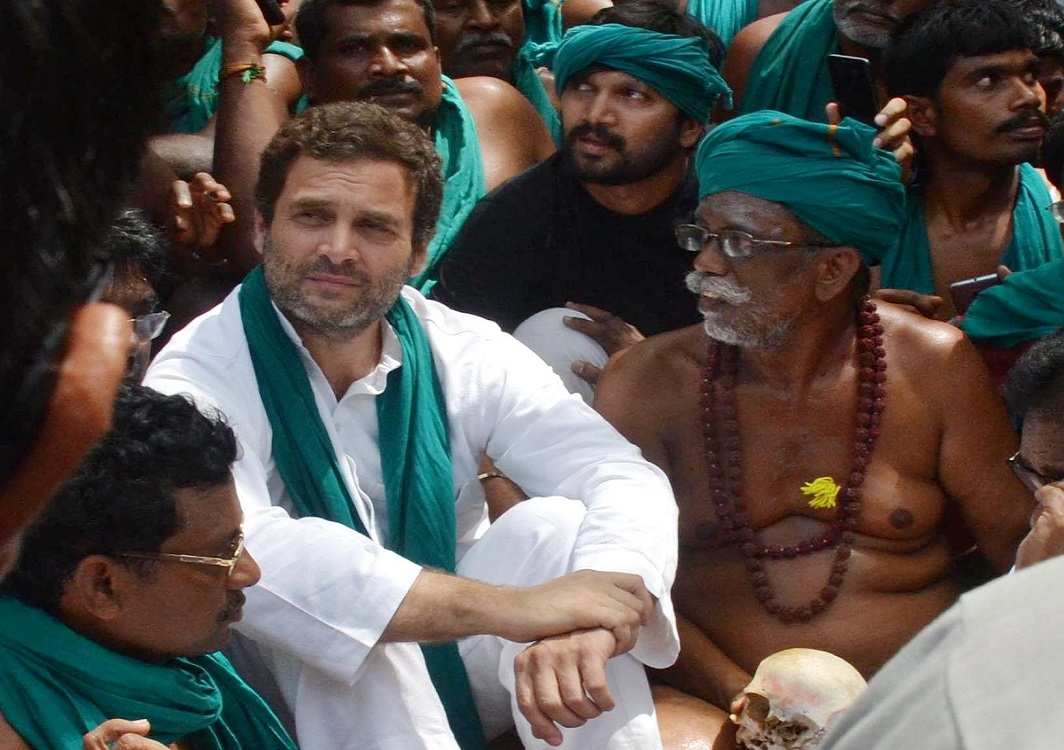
(893, 134)
(618, 602)
(241, 21)
(200, 208)
(1003, 272)
(119, 734)
(185, 17)
(925, 304)
(1046, 538)
(609, 331)
(562, 680)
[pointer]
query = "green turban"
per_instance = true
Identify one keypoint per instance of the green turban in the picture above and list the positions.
(830, 176)
(676, 66)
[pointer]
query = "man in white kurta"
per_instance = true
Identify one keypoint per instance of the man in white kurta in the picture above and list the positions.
(328, 593)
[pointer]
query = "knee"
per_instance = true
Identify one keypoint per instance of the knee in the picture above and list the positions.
(545, 526)
(689, 723)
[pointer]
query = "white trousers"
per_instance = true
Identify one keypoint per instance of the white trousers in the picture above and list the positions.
(559, 346)
(390, 704)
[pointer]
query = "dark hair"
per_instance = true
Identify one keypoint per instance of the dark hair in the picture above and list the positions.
(926, 44)
(1037, 379)
(351, 131)
(121, 499)
(80, 89)
(311, 27)
(135, 243)
(1053, 151)
(1047, 19)
(664, 19)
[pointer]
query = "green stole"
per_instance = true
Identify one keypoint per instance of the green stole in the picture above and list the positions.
(543, 21)
(527, 81)
(724, 17)
(194, 96)
(56, 685)
(1035, 238)
(791, 72)
(455, 134)
(415, 460)
(1027, 306)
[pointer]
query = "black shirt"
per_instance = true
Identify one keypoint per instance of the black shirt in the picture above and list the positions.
(540, 240)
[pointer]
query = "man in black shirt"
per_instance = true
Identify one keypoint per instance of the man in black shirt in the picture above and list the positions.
(594, 224)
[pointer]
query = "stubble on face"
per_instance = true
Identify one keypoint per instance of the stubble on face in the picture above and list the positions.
(339, 315)
(867, 23)
(734, 318)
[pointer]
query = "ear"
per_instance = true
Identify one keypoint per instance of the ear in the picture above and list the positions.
(261, 232)
(306, 77)
(690, 132)
(97, 586)
(837, 267)
(419, 258)
(922, 114)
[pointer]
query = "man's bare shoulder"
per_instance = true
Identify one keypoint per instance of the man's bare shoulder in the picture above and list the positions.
(937, 355)
(744, 49)
(9, 738)
(647, 367)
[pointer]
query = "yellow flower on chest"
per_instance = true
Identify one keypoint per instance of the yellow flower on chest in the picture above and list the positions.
(824, 492)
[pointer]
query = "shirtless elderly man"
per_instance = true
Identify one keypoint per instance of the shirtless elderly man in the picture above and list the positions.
(818, 443)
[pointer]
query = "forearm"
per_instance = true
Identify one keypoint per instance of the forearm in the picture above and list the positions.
(442, 607)
(248, 117)
(186, 153)
(703, 670)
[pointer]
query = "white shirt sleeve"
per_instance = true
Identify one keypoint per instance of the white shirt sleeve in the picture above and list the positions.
(327, 592)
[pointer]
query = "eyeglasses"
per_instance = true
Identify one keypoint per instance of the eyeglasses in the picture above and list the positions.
(1056, 210)
(733, 242)
(1031, 479)
(229, 563)
(148, 327)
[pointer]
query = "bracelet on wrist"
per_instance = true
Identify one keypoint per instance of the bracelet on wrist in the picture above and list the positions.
(248, 72)
(494, 474)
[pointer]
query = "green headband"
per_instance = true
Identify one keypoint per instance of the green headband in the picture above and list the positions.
(676, 66)
(830, 176)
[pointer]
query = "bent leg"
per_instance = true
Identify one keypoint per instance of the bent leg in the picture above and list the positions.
(559, 346)
(530, 544)
(689, 723)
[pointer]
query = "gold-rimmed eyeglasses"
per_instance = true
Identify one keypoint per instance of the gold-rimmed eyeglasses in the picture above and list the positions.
(229, 563)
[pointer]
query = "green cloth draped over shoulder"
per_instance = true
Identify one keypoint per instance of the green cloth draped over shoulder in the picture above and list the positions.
(724, 17)
(543, 21)
(831, 177)
(1027, 306)
(1035, 238)
(56, 685)
(527, 81)
(194, 96)
(790, 73)
(455, 135)
(676, 66)
(415, 451)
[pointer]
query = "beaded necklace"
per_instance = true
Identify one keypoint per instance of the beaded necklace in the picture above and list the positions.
(724, 464)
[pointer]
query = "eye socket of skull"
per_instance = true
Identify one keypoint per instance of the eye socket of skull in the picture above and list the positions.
(757, 707)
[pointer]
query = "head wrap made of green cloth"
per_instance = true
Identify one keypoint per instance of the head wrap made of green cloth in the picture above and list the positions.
(676, 66)
(831, 177)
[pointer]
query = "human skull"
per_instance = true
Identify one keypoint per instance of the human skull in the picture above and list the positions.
(793, 698)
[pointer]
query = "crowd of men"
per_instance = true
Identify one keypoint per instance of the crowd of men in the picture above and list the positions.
(399, 374)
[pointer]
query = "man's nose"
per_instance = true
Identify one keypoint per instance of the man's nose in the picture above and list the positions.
(386, 63)
(481, 17)
(245, 573)
(710, 260)
(601, 110)
(339, 245)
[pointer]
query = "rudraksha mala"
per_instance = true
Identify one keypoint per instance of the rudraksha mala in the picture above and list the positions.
(724, 463)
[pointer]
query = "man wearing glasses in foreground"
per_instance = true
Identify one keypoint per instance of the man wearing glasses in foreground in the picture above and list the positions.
(819, 444)
(126, 587)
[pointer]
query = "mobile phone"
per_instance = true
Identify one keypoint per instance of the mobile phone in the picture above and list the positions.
(855, 90)
(964, 291)
(271, 11)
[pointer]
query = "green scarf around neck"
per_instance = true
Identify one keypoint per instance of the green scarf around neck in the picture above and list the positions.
(1035, 238)
(724, 17)
(455, 134)
(56, 685)
(415, 459)
(194, 96)
(790, 73)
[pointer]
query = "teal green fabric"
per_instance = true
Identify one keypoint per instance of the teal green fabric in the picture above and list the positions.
(724, 17)
(415, 460)
(676, 66)
(831, 177)
(455, 134)
(543, 21)
(1035, 238)
(56, 685)
(790, 73)
(194, 96)
(1027, 306)
(527, 81)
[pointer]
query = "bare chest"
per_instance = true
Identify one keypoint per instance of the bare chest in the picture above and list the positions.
(973, 251)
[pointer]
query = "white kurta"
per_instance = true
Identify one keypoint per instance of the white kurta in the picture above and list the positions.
(327, 592)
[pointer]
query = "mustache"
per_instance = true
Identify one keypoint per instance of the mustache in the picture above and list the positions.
(599, 132)
(872, 10)
(388, 86)
(721, 288)
(496, 38)
(1024, 120)
(232, 606)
